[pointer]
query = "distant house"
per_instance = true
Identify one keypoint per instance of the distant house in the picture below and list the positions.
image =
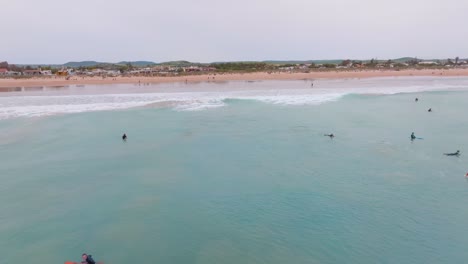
(3, 71)
(192, 69)
(210, 69)
(13, 73)
(158, 69)
(46, 72)
(31, 72)
(427, 63)
(112, 73)
(64, 72)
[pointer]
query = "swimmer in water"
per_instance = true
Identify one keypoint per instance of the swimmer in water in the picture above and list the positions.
(416, 99)
(413, 137)
(124, 137)
(453, 154)
(430, 110)
(329, 135)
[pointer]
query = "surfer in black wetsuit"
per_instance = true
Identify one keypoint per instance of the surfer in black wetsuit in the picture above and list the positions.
(87, 259)
(430, 110)
(329, 135)
(416, 99)
(413, 137)
(453, 154)
(124, 137)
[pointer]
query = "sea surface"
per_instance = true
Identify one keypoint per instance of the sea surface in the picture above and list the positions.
(236, 172)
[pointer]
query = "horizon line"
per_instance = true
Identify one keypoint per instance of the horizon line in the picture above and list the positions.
(233, 61)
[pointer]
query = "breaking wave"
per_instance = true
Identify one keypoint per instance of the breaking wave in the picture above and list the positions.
(41, 105)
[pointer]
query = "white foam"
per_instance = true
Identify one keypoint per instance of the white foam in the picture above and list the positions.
(289, 93)
(196, 105)
(297, 99)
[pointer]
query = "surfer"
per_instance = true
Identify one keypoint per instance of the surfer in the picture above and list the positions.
(87, 259)
(453, 154)
(124, 137)
(430, 110)
(416, 99)
(329, 135)
(413, 137)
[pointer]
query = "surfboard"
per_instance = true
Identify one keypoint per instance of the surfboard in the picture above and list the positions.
(72, 262)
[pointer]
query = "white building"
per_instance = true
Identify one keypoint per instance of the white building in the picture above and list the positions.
(46, 72)
(428, 63)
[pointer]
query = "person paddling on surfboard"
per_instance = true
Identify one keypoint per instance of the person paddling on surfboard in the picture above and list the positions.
(85, 259)
(330, 135)
(453, 154)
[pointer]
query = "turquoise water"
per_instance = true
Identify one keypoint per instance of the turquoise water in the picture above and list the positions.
(249, 182)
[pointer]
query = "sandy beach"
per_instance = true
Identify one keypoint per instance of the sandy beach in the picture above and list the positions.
(78, 80)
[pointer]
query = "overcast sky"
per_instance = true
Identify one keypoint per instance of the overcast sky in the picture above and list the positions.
(52, 31)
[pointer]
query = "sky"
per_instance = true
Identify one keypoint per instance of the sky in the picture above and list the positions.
(55, 32)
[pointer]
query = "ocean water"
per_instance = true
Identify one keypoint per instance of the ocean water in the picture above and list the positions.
(236, 172)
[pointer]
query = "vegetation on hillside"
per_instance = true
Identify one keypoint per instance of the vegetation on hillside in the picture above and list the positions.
(186, 67)
(242, 66)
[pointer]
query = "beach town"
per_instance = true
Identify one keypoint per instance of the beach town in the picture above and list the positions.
(14, 76)
(186, 68)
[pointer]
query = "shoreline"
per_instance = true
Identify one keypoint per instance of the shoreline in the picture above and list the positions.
(256, 76)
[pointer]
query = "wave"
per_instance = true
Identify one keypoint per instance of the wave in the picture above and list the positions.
(33, 106)
(40, 105)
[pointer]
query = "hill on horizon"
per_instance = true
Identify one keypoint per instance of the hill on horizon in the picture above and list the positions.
(337, 61)
(76, 64)
(137, 63)
(181, 63)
